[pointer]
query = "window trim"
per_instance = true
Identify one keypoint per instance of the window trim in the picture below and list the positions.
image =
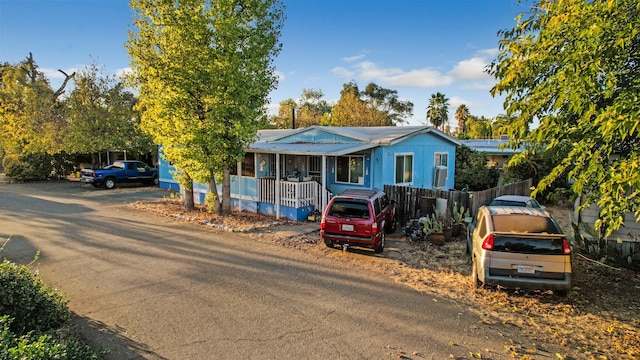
(395, 167)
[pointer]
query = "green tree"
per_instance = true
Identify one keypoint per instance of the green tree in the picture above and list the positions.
(573, 66)
(392, 111)
(375, 106)
(101, 117)
(462, 115)
(204, 70)
(478, 127)
(310, 109)
(438, 111)
(472, 172)
(31, 118)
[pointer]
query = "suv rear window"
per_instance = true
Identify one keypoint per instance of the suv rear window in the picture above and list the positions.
(525, 224)
(350, 208)
(523, 245)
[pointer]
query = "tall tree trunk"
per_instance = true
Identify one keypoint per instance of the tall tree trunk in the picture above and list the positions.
(226, 192)
(189, 204)
(213, 190)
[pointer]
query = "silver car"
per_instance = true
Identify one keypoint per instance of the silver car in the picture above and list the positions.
(519, 247)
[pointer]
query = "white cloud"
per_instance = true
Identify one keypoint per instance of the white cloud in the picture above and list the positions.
(471, 69)
(488, 53)
(420, 78)
(280, 75)
(368, 71)
(353, 58)
(122, 73)
(342, 72)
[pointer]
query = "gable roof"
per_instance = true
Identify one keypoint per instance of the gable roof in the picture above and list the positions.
(337, 141)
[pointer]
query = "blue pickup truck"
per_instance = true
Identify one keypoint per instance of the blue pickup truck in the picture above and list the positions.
(127, 171)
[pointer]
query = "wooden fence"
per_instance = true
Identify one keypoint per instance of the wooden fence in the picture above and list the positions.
(415, 202)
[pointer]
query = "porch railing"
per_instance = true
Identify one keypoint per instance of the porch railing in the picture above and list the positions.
(293, 194)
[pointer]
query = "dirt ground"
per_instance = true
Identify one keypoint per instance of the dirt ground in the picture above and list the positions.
(599, 319)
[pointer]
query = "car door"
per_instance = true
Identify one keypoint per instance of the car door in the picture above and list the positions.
(132, 172)
(144, 172)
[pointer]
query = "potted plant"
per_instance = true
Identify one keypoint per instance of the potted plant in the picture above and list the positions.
(433, 228)
(459, 214)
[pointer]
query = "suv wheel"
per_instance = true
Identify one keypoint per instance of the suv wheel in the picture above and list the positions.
(329, 243)
(474, 275)
(378, 249)
(391, 227)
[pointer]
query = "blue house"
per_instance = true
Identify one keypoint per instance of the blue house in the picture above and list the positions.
(291, 172)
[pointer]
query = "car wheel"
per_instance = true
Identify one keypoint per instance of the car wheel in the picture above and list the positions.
(110, 183)
(329, 244)
(474, 276)
(156, 181)
(380, 248)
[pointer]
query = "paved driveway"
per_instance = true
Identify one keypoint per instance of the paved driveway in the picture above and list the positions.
(146, 286)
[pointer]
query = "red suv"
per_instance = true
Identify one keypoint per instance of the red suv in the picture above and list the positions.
(360, 218)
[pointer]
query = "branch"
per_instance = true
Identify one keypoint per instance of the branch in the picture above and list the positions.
(60, 91)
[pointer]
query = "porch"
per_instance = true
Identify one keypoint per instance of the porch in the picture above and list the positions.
(292, 199)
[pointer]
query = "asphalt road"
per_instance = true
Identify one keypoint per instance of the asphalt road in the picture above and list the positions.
(147, 286)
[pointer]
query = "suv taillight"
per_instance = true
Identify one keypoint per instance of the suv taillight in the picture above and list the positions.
(566, 248)
(487, 244)
(374, 228)
(322, 223)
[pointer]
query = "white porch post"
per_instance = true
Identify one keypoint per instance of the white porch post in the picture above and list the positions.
(324, 183)
(239, 172)
(277, 189)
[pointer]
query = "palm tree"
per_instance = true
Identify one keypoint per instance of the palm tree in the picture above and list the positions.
(462, 114)
(437, 111)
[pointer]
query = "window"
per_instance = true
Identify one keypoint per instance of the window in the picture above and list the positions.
(441, 161)
(404, 168)
(248, 166)
(350, 169)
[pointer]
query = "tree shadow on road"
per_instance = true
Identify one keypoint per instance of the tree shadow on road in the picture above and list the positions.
(101, 336)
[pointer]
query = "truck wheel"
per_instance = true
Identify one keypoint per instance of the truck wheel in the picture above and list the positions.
(110, 183)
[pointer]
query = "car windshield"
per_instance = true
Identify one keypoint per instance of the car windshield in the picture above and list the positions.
(522, 223)
(350, 208)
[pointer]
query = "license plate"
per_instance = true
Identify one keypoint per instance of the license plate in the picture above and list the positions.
(347, 227)
(526, 269)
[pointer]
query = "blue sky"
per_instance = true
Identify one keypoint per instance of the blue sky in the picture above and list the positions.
(416, 47)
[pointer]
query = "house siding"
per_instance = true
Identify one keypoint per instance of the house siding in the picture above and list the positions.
(423, 161)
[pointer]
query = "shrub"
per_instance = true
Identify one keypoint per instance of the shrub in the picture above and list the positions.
(31, 167)
(31, 304)
(32, 318)
(50, 345)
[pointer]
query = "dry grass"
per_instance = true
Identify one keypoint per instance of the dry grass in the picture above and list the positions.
(599, 319)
